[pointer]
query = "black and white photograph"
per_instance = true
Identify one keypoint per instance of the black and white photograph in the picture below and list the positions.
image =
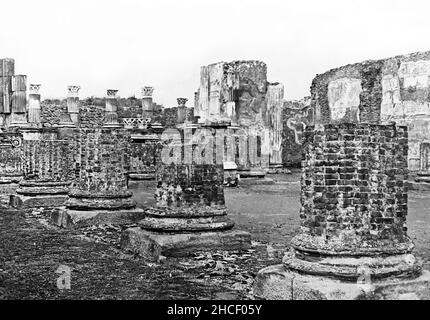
(215, 156)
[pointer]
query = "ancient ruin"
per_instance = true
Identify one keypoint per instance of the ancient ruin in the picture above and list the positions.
(157, 175)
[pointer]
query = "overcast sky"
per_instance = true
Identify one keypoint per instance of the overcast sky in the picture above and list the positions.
(126, 44)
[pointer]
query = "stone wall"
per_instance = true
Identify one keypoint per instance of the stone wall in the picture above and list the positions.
(144, 156)
(50, 113)
(358, 172)
(296, 116)
(395, 89)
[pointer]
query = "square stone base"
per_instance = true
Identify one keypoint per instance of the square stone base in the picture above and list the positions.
(66, 218)
(150, 245)
(48, 201)
(279, 283)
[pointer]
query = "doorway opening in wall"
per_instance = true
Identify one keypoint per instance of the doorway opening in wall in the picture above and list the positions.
(425, 156)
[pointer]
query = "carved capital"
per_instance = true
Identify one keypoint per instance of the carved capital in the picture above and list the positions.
(147, 92)
(112, 93)
(73, 91)
(34, 88)
(181, 102)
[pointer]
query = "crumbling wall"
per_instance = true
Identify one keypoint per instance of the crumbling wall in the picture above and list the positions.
(50, 113)
(395, 89)
(144, 156)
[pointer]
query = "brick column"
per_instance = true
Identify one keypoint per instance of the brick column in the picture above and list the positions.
(353, 217)
(72, 104)
(48, 173)
(111, 115)
(147, 104)
(99, 194)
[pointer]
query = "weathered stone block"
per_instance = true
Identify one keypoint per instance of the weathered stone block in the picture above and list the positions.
(75, 219)
(279, 283)
(151, 245)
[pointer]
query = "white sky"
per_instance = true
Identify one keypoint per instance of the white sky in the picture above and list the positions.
(126, 44)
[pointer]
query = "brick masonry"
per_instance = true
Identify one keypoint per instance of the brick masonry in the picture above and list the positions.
(102, 161)
(354, 185)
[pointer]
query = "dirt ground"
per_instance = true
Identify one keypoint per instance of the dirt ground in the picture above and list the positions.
(31, 251)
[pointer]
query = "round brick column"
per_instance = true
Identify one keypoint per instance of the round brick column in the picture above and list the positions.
(354, 203)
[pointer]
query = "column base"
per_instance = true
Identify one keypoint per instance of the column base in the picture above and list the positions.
(37, 194)
(280, 283)
(70, 219)
(150, 245)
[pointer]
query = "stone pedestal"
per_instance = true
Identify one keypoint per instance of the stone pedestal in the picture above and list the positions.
(353, 242)
(189, 215)
(48, 172)
(99, 194)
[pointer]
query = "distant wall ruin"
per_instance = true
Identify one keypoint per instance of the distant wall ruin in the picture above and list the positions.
(380, 91)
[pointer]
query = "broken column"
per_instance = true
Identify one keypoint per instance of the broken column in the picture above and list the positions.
(99, 194)
(111, 115)
(73, 104)
(353, 242)
(275, 103)
(189, 215)
(19, 101)
(147, 104)
(34, 105)
(48, 173)
(7, 70)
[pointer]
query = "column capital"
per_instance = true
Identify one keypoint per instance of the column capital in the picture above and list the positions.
(181, 102)
(111, 93)
(147, 92)
(34, 88)
(73, 91)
